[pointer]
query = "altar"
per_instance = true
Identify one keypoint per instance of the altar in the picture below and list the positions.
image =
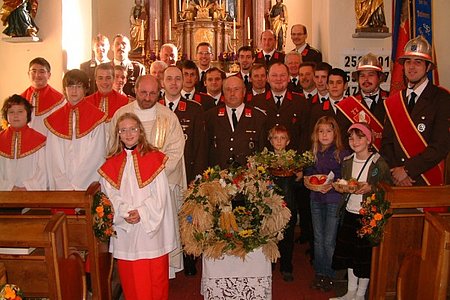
(234, 278)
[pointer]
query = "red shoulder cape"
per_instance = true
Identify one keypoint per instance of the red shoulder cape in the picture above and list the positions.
(28, 142)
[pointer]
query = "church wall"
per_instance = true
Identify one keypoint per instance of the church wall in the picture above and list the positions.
(16, 56)
(330, 24)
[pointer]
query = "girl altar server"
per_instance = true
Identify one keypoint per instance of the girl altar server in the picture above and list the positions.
(76, 143)
(22, 149)
(134, 181)
(329, 151)
(352, 252)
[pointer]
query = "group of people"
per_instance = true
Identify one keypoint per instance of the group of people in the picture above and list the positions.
(145, 137)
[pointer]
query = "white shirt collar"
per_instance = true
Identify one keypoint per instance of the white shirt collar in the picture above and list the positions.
(418, 90)
(239, 111)
(270, 53)
(302, 48)
(175, 102)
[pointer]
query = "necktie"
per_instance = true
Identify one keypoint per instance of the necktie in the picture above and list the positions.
(412, 101)
(171, 106)
(278, 103)
(187, 96)
(310, 96)
(234, 118)
(323, 99)
(246, 79)
(373, 102)
(294, 81)
(202, 75)
(267, 58)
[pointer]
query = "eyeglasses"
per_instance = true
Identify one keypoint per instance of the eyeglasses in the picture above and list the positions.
(146, 94)
(75, 86)
(130, 130)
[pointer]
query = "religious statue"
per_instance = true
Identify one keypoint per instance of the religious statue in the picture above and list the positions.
(203, 8)
(138, 24)
(369, 14)
(278, 17)
(17, 16)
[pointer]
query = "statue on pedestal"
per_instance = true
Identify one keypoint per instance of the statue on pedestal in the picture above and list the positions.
(138, 23)
(203, 7)
(17, 16)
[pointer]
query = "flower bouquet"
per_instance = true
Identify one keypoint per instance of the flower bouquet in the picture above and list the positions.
(284, 164)
(103, 216)
(374, 215)
(10, 292)
(232, 212)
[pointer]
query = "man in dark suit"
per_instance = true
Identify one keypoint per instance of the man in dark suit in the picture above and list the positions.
(214, 78)
(321, 72)
(190, 79)
(284, 107)
(204, 56)
(245, 60)
(416, 137)
(269, 55)
(235, 130)
(298, 36)
(134, 69)
(369, 75)
(100, 49)
(306, 75)
(191, 117)
(337, 84)
(293, 60)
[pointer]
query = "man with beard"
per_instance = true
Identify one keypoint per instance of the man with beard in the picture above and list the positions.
(306, 74)
(367, 105)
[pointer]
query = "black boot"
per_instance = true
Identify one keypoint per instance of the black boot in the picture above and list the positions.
(189, 265)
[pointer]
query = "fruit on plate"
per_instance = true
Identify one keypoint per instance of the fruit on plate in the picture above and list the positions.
(322, 179)
(314, 180)
(317, 180)
(352, 182)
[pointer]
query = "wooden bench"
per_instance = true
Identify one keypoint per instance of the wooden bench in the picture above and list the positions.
(403, 235)
(43, 273)
(80, 234)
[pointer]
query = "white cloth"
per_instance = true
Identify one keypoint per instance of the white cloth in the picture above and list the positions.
(154, 235)
(354, 202)
(163, 130)
(37, 122)
(28, 172)
(73, 164)
(233, 278)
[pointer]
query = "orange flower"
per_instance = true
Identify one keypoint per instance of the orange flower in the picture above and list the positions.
(378, 216)
(373, 223)
(362, 211)
(374, 208)
(373, 197)
(99, 209)
(9, 292)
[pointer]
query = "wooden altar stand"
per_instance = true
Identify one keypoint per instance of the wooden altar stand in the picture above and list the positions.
(80, 233)
(45, 271)
(403, 237)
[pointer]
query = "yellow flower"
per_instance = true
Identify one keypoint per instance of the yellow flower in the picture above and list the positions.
(4, 124)
(261, 169)
(246, 233)
(208, 172)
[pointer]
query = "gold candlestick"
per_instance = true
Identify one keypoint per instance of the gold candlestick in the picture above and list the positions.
(156, 42)
(234, 68)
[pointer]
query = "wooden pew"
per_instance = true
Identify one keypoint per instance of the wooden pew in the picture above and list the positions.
(41, 273)
(80, 232)
(403, 234)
